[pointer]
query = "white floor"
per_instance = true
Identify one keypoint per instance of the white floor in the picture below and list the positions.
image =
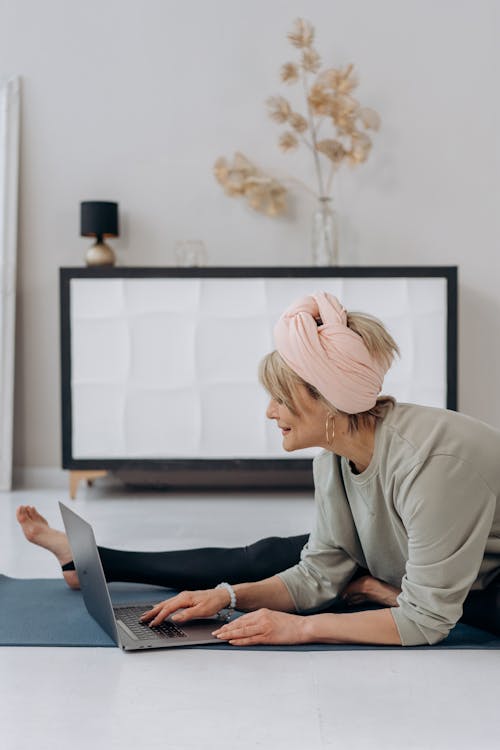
(175, 700)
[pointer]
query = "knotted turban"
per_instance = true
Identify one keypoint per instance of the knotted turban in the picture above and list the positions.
(313, 338)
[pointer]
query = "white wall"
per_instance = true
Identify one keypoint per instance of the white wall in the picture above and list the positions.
(133, 100)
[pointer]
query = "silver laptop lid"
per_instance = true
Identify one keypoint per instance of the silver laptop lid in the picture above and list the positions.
(90, 573)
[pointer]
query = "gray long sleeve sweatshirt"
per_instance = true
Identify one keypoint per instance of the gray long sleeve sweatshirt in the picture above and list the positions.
(424, 516)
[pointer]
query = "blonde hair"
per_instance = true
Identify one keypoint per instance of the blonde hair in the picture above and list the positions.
(281, 382)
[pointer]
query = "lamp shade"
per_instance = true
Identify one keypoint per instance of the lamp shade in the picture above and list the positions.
(99, 219)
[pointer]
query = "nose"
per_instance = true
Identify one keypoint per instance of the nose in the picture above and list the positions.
(272, 409)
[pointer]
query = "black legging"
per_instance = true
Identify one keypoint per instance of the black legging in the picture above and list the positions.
(206, 567)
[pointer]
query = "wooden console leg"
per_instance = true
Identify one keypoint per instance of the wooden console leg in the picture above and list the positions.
(75, 477)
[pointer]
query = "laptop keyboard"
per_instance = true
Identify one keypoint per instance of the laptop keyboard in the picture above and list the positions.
(130, 617)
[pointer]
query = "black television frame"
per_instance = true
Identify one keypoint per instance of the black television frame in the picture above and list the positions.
(238, 472)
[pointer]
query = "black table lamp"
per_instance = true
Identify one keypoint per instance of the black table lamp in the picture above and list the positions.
(99, 219)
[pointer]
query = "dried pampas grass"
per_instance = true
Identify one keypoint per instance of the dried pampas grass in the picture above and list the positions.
(298, 122)
(242, 178)
(334, 150)
(279, 109)
(329, 98)
(288, 141)
(289, 73)
(302, 34)
(311, 61)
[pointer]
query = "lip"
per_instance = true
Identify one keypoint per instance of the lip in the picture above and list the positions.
(284, 430)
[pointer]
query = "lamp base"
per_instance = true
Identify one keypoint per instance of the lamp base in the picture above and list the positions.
(100, 254)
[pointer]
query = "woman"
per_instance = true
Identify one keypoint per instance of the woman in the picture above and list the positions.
(408, 493)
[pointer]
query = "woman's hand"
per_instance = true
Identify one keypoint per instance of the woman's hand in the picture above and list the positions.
(192, 603)
(369, 589)
(263, 626)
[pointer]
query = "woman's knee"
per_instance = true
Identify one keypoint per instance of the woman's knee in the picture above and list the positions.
(273, 554)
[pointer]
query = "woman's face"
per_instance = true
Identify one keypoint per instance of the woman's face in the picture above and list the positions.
(306, 429)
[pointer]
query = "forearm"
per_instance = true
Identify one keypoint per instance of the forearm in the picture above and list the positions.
(375, 626)
(271, 593)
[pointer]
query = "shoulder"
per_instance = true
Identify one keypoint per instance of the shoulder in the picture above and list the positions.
(412, 420)
(322, 459)
(328, 481)
(424, 431)
(442, 488)
(325, 465)
(425, 453)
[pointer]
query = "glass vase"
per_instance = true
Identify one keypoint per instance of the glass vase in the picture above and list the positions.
(325, 248)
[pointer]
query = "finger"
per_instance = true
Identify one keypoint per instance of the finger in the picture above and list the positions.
(251, 618)
(229, 631)
(164, 612)
(198, 610)
(225, 629)
(253, 641)
(353, 588)
(171, 605)
(150, 613)
(160, 617)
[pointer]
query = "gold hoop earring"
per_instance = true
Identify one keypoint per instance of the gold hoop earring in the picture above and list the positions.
(329, 439)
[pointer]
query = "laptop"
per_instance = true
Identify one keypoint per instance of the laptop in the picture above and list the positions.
(121, 622)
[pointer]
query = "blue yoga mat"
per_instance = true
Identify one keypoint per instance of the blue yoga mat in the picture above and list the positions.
(45, 612)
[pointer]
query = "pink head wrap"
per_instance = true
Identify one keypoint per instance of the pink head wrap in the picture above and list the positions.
(329, 356)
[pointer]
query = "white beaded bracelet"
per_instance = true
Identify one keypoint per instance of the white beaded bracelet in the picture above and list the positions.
(230, 590)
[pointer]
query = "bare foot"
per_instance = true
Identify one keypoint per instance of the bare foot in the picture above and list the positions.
(37, 530)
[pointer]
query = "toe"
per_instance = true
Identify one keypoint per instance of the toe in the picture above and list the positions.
(21, 513)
